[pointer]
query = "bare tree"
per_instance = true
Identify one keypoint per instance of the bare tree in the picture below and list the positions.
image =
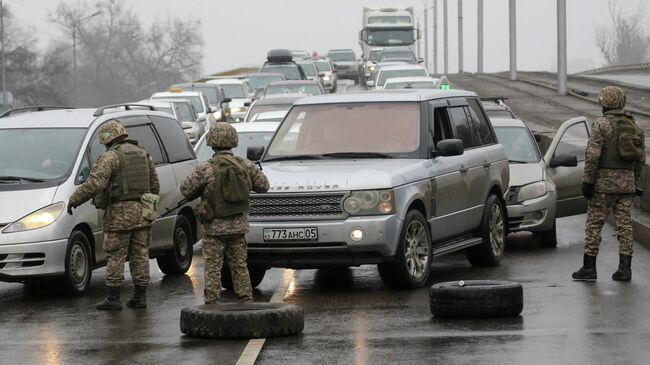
(119, 60)
(625, 41)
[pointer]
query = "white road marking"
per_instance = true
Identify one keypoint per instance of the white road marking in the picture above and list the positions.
(254, 346)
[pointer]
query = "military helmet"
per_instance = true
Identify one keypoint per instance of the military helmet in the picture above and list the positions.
(612, 97)
(110, 131)
(222, 136)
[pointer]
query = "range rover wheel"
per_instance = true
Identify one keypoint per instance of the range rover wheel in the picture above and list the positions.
(179, 259)
(493, 232)
(548, 238)
(412, 264)
(256, 274)
(78, 264)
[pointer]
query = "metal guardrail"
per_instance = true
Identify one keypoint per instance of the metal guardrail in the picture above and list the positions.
(605, 69)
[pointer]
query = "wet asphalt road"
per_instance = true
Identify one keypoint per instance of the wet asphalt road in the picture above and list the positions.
(351, 317)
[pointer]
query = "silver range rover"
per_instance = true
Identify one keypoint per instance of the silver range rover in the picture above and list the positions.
(392, 178)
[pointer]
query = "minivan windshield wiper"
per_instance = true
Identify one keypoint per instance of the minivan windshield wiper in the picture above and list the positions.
(294, 157)
(20, 178)
(356, 155)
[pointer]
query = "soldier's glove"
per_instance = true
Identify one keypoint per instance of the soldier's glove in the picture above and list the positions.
(70, 207)
(638, 192)
(587, 190)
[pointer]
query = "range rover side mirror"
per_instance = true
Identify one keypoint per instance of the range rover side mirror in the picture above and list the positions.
(563, 159)
(449, 147)
(255, 153)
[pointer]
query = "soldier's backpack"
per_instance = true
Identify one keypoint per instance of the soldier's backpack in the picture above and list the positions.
(231, 193)
(627, 136)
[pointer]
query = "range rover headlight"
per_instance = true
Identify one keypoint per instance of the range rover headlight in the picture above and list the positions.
(370, 202)
(531, 191)
(38, 219)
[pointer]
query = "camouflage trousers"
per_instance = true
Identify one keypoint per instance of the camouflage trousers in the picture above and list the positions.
(119, 245)
(600, 206)
(234, 248)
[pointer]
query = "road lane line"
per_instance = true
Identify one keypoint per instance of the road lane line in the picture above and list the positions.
(254, 346)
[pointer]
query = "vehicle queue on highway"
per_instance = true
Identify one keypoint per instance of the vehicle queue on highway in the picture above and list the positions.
(394, 177)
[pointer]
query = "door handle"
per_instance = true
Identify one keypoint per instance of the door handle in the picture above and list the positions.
(487, 164)
(463, 169)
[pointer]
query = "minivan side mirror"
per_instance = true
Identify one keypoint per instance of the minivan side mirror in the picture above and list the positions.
(255, 153)
(563, 159)
(449, 147)
(247, 104)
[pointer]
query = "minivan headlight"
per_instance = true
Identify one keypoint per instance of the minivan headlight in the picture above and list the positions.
(38, 219)
(370, 202)
(531, 191)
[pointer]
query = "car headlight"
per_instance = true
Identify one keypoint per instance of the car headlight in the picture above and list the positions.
(326, 78)
(531, 191)
(38, 219)
(371, 68)
(238, 109)
(370, 202)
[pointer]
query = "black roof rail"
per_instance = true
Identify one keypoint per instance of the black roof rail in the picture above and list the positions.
(494, 98)
(33, 108)
(127, 106)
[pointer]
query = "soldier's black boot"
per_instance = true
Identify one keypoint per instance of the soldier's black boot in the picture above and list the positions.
(588, 270)
(139, 298)
(624, 272)
(112, 301)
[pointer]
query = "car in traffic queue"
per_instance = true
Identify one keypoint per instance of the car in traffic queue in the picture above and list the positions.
(301, 87)
(390, 71)
(349, 188)
(417, 82)
(274, 116)
(272, 103)
(327, 74)
(258, 81)
(239, 94)
(281, 61)
(308, 67)
(299, 54)
(184, 113)
(369, 64)
(45, 156)
(198, 99)
(253, 134)
(216, 98)
(398, 54)
(495, 107)
(543, 187)
(346, 64)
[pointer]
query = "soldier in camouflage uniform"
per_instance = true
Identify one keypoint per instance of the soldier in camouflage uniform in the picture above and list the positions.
(610, 181)
(127, 228)
(224, 232)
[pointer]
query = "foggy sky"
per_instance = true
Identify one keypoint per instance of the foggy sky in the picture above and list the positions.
(238, 33)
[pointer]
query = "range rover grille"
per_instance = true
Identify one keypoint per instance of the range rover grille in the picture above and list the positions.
(303, 206)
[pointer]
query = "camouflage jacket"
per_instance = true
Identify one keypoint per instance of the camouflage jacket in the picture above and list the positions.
(609, 180)
(201, 183)
(119, 216)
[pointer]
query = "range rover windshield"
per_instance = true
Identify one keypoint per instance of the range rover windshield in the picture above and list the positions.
(353, 130)
(38, 155)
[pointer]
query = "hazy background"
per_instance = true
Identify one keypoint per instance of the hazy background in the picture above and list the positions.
(238, 33)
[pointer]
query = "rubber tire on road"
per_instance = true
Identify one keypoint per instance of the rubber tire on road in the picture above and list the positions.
(482, 255)
(548, 238)
(476, 299)
(78, 238)
(172, 263)
(242, 320)
(256, 274)
(395, 274)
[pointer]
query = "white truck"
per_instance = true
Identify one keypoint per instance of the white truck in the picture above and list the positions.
(385, 27)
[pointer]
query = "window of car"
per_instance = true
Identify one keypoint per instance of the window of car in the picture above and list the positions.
(390, 37)
(211, 94)
(260, 82)
(374, 55)
(441, 126)
(195, 100)
(461, 123)
(290, 71)
(342, 56)
(307, 89)
(139, 129)
(387, 74)
(518, 143)
(256, 109)
(309, 69)
(574, 141)
(233, 91)
(185, 112)
(482, 132)
(176, 144)
(323, 66)
(500, 114)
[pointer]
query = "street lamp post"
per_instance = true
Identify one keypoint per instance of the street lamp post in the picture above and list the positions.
(76, 24)
(2, 52)
(426, 34)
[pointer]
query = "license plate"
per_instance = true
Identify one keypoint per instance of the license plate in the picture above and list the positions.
(291, 234)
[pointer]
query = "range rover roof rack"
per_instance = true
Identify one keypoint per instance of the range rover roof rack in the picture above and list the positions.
(126, 106)
(33, 108)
